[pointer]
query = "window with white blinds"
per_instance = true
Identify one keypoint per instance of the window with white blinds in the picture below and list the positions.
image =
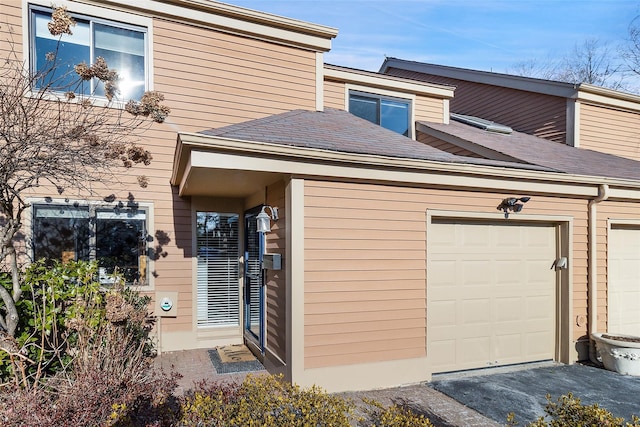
(218, 287)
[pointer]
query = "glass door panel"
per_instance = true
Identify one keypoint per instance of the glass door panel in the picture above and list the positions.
(253, 278)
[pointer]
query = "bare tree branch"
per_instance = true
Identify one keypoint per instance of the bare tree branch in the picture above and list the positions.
(53, 133)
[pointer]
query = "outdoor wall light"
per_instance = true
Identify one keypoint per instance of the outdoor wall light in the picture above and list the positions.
(511, 204)
(263, 219)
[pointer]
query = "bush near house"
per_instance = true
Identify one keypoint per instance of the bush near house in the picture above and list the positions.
(570, 412)
(271, 401)
(84, 357)
(83, 350)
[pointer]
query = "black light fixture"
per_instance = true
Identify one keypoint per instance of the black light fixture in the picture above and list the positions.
(513, 204)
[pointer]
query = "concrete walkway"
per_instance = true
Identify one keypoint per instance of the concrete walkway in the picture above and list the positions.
(443, 411)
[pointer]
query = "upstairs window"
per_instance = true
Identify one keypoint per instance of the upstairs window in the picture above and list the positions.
(390, 113)
(122, 46)
(116, 238)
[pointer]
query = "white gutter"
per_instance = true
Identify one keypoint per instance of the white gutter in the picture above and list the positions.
(603, 194)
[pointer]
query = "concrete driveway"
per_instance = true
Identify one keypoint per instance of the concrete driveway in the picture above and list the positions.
(523, 391)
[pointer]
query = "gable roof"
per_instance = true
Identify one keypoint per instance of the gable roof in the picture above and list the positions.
(340, 131)
(528, 149)
(581, 91)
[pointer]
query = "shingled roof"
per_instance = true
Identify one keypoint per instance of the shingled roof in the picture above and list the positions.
(532, 150)
(340, 131)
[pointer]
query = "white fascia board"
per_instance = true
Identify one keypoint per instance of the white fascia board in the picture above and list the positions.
(608, 97)
(233, 19)
(387, 82)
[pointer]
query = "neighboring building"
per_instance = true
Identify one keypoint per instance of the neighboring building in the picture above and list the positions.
(580, 115)
(388, 260)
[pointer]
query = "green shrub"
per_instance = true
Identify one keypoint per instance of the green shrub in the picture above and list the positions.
(89, 355)
(270, 401)
(394, 416)
(570, 412)
(53, 295)
(263, 400)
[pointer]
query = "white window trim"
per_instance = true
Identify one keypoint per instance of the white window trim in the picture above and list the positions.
(93, 205)
(364, 90)
(92, 12)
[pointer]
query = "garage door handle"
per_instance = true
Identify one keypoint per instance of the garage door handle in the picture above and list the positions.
(560, 263)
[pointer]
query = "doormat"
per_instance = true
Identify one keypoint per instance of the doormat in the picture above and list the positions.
(234, 358)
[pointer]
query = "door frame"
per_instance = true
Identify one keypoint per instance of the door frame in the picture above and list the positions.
(564, 351)
(615, 223)
(259, 340)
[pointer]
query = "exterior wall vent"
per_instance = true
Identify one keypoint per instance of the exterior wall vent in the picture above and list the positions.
(483, 124)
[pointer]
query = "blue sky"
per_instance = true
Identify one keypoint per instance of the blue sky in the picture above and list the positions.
(490, 35)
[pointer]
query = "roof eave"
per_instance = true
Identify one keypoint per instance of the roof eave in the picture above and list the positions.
(297, 161)
(547, 87)
(361, 77)
(235, 19)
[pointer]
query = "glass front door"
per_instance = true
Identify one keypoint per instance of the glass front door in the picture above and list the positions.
(253, 279)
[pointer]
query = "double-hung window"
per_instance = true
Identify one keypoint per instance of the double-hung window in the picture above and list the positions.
(122, 46)
(390, 113)
(115, 237)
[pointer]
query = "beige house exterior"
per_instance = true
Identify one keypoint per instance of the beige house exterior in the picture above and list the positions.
(388, 261)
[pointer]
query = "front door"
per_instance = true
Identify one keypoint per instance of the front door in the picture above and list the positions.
(253, 280)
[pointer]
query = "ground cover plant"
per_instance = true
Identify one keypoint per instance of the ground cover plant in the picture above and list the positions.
(569, 411)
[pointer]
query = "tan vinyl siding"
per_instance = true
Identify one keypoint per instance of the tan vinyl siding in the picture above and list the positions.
(216, 79)
(10, 25)
(209, 79)
(536, 114)
(610, 131)
(365, 266)
(334, 94)
(429, 109)
(444, 146)
(276, 290)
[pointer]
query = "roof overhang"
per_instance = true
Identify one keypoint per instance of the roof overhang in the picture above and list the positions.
(582, 91)
(234, 19)
(214, 166)
(608, 97)
(547, 87)
(381, 81)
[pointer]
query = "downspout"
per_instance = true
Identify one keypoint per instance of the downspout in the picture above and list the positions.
(603, 194)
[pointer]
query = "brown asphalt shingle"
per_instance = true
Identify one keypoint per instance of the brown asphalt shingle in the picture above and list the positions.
(339, 131)
(537, 151)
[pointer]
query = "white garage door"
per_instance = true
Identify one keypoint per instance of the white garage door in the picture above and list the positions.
(491, 294)
(624, 280)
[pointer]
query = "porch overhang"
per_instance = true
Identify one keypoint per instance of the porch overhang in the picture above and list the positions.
(201, 168)
(206, 165)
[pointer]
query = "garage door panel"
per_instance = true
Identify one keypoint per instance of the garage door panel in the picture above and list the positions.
(624, 280)
(443, 313)
(507, 309)
(503, 291)
(508, 346)
(473, 312)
